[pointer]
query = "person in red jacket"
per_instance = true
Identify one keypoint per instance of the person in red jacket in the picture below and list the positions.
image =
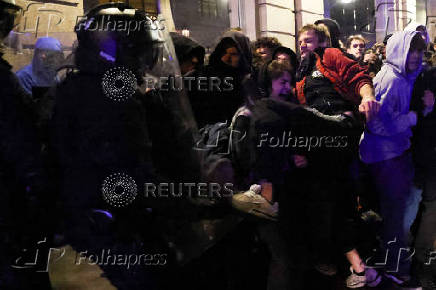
(333, 84)
(319, 61)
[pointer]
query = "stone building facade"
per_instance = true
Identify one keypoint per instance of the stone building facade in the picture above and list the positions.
(206, 20)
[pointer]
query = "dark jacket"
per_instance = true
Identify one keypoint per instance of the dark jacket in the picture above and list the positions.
(346, 75)
(424, 135)
(242, 43)
(21, 177)
(186, 48)
(218, 105)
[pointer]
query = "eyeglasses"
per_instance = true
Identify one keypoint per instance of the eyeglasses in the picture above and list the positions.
(359, 45)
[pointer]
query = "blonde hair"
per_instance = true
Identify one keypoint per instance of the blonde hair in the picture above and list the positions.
(321, 32)
(355, 37)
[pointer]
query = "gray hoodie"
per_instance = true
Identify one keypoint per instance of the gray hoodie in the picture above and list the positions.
(388, 135)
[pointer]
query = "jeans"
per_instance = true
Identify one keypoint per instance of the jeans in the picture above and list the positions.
(399, 201)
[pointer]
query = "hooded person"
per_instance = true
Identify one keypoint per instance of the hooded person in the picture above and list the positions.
(47, 58)
(189, 53)
(229, 64)
(385, 144)
(283, 53)
(421, 28)
(241, 42)
(334, 30)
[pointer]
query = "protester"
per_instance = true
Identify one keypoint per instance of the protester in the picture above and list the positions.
(47, 58)
(189, 53)
(264, 168)
(265, 47)
(333, 83)
(334, 30)
(423, 145)
(374, 57)
(384, 146)
(283, 54)
(230, 63)
(414, 26)
(356, 46)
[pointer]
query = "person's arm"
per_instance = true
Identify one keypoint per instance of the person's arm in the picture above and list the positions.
(356, 80)
(390, 120)
(369, 105)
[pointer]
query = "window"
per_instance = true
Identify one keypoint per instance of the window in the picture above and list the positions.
(208, 8)
(148, 5)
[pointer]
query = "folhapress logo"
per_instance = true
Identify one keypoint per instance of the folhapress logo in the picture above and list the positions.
(119, 190)
(119, 84)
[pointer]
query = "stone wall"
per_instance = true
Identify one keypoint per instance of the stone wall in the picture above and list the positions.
(204, 27)
(431, 18)
(275, 18)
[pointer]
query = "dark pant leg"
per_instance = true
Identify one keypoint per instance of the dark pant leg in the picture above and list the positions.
(398, 207)
(425, 243)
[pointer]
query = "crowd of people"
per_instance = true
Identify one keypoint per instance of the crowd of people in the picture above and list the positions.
(328, 154)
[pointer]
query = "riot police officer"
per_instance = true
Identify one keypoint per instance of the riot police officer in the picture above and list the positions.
(21, 178)
(114, 133)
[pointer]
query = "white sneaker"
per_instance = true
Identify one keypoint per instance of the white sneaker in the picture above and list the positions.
(253, 203)
(354, 280)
